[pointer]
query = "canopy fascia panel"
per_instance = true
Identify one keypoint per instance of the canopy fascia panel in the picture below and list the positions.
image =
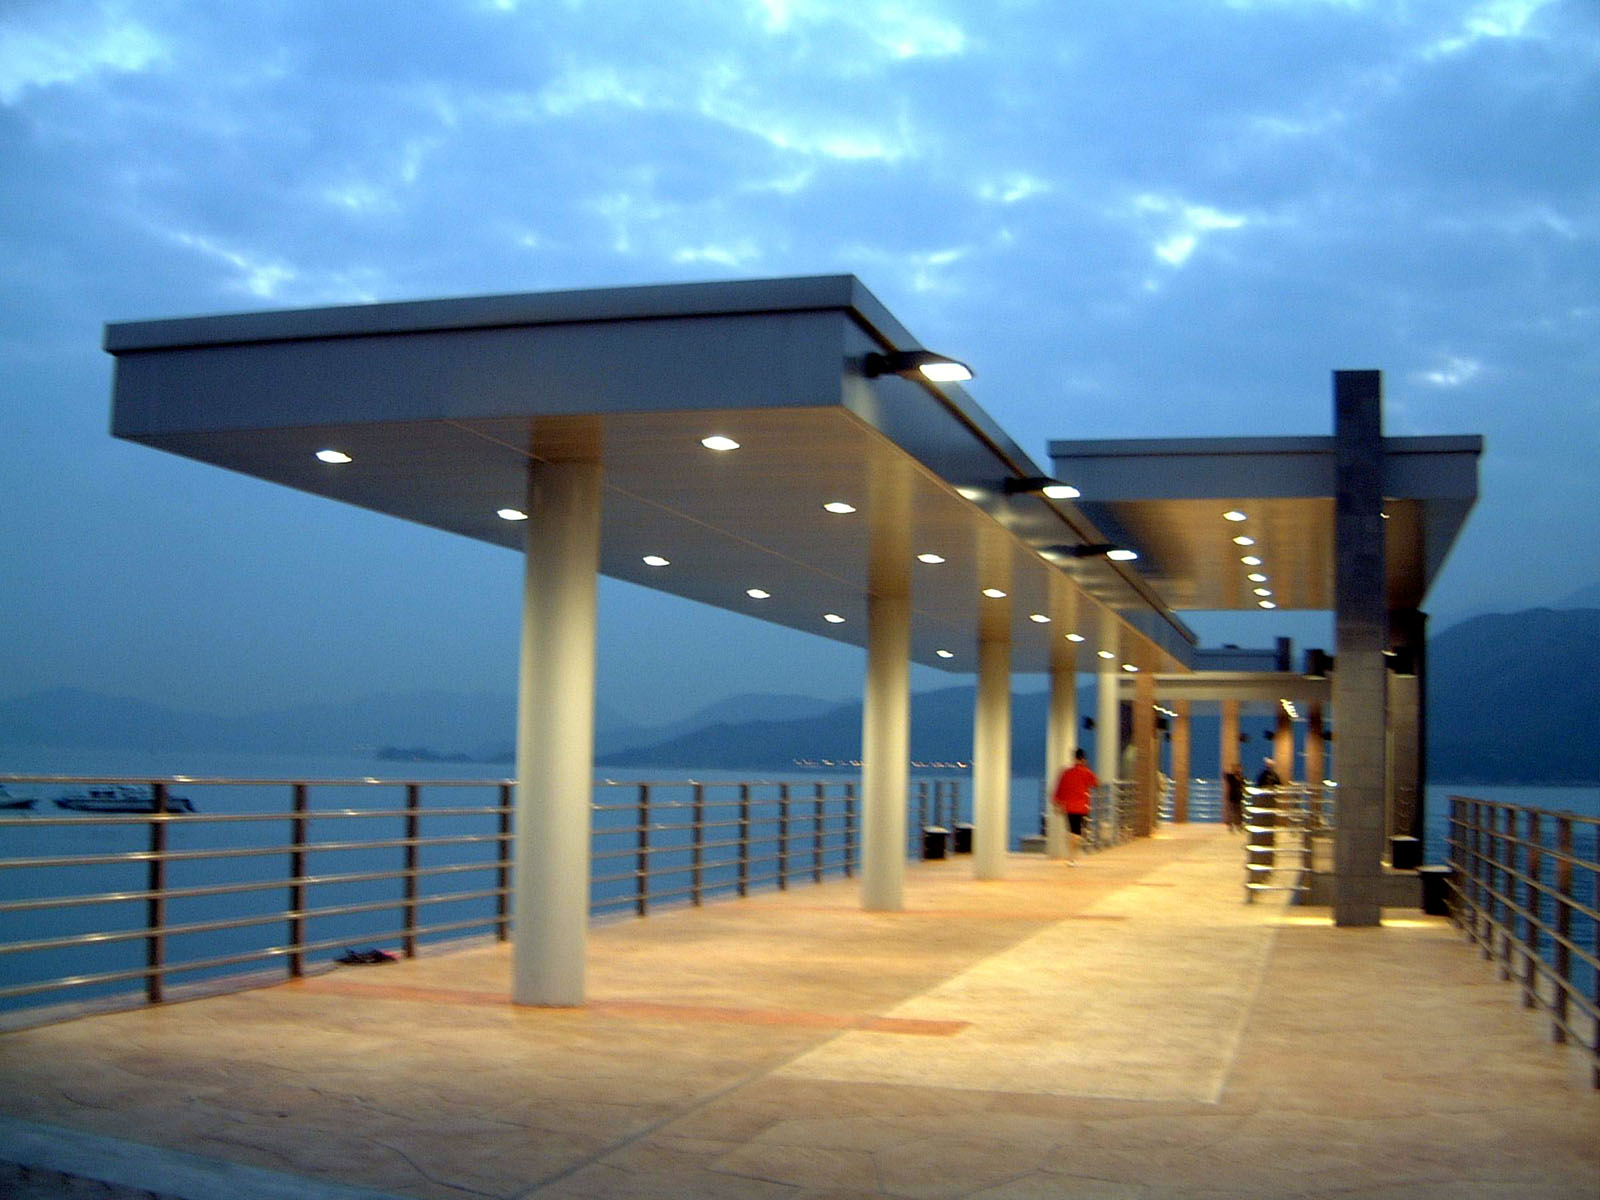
(442, 404)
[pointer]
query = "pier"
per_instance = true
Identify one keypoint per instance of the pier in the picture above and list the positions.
(1123, 1028)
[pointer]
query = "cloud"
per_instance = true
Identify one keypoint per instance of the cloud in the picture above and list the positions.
(66, 46)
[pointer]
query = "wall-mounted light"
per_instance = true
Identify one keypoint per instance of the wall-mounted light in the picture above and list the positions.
(1040, 485)
(936, 368)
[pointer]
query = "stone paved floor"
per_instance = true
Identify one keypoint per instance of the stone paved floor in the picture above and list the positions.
(1124, 1029)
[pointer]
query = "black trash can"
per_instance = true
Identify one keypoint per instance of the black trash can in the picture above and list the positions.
(1436, 889)
(963, 839)
(935, 838)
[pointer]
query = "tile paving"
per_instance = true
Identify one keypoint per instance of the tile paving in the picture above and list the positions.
(1127, 1029)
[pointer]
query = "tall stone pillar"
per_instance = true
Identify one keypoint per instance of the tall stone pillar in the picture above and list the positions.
(1061, 738)
(991, 756)
(1316, 748)
(1146, 760)
(1181, 769)
(1107, 724)
(1362, 635)
(1228, 747)
(555, 733)
(1283, 746)
(1408, 724)
(886, 707)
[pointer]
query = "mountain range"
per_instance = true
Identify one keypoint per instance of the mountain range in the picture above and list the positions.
(1509, 699)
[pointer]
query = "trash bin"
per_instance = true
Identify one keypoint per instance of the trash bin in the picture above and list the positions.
(934, 840)
(1436, 889)
(1405, 853)
(963, 839)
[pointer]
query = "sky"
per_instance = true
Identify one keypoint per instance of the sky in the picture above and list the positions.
(1134, 218)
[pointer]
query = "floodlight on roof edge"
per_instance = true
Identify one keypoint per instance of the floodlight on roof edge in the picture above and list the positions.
(936, 368)
(1027, 485)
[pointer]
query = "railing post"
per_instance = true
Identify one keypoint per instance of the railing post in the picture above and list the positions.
(922, 812)
(413, 829)
(816, 834)
(1531, 935)
(698, 815)
(783, 837)
(849, 829)
(502, 872)
(1563, 915)
(641, 865)
(156, 906)
(744, 839)
(297, 887)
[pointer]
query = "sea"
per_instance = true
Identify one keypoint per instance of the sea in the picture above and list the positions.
(247, 927)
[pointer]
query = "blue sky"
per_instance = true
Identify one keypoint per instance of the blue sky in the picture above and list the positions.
(1134, 218)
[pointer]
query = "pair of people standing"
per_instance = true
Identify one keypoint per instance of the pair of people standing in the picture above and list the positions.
(1233, 791)
(1071, 796)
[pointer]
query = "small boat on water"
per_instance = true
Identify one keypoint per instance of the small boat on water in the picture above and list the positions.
(11, 803)
(119, 799)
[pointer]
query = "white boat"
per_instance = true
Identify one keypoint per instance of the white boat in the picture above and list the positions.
(119, 799)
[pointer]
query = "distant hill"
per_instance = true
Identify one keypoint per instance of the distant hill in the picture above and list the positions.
(1512, 698)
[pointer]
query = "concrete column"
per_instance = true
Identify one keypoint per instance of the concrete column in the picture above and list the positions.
(1316, 748)
(885, 751)
(1362, 635)
(991, 758)
(1180, 762)
(1229, 741)
(1408, 632)
(1061, 739)
(1107, 724)
(1283, 747)
(555, 734)
(1146, 750)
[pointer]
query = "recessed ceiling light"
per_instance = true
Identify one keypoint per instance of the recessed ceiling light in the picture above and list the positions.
(757, 594)
(930, 558)
(1243, 540)
(1266, 604)
(1039, 618)
(1060, 491)
(1256, 577)
(970, 493)
(1263, 591)
(1233, 514)
(334, 456)
(717, 442)
(655, 560)
(839, 506)
(833, 618)
(1250, 560)
(1122, 555)
(1074, 637)
(994, 593)
(1129, 667)
(1105, 654)
(945, 653)
(512, 514)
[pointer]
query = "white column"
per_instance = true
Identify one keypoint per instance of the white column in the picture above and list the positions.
(886, 751)
(1107, 723)
(991, 757)
(555, 734)
(1061, 739)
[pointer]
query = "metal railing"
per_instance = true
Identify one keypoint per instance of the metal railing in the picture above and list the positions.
(1205, 802)
(1281, 826)
(268, 875)
(1523, 885)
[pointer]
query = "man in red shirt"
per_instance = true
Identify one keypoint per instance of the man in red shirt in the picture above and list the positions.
(1072, 798)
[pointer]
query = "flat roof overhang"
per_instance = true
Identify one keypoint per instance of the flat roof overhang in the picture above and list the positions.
(1165, 498)
(442, 404)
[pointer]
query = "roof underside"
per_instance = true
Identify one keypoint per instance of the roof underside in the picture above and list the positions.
(443, 404)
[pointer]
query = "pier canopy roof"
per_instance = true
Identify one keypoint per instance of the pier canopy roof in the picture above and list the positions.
(1182, 503)
(441, 405)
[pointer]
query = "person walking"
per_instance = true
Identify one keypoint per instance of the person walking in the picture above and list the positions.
(1071, 796)
(1233, 798)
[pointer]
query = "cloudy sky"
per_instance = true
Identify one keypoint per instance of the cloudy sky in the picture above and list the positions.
(1135, 217)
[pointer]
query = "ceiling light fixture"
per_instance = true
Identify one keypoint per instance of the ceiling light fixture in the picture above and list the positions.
(1105, 654)
(511, 514)
(334, 456)
(1129, 667)
(945, 653)
(655, 560)
(1042, 485)
(1250, 560)
(1256, 577)
(1244, 540)
(994, 593)
(757, 594)
(910, 364)
(1233, 514)
(1039, 618)
(1260, 591)
(930, 559)
(833, 618)
(1074, 637)
(839, 506)
(717, 442)
(1266, 604)
(1093, 550)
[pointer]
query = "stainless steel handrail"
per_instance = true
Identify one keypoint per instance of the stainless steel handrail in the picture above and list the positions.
(688, 839)
(1524, 890)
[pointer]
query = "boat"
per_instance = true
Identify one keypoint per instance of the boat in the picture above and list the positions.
(8, 802)
(119, 799)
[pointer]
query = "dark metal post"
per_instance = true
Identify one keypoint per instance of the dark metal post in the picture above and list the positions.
(699, 816)
(641, 865)
(816, 834)
(744, 839)
(849, 829)
(1531, 866)
(783, 836)
(502, 872)
(156, 905)
(1563, 915)
(297, 886)
(413, 827)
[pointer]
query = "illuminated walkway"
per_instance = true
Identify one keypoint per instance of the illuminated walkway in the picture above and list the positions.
(1124, 1029)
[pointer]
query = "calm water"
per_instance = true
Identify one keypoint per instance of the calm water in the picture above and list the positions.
(257, 854)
